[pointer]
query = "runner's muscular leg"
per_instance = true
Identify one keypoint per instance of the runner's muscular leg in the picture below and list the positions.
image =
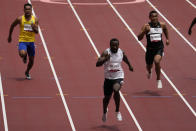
(22, 53)
(106, 101)
(116, 96)
(149, 67)
(30, 64)
(157, 61)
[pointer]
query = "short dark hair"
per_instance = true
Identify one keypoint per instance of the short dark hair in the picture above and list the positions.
(151, 12)
(114, 39)
(27, 4)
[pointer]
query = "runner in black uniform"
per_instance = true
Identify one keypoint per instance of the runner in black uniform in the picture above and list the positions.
(153, 31)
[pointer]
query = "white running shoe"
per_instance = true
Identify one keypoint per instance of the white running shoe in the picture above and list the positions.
(159, 84)
(104, 117)
(28, 77)
(118, 116)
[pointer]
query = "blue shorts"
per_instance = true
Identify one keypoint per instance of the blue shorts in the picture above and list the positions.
(27, 46)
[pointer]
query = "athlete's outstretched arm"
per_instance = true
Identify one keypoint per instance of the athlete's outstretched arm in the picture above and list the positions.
(104, 57)
(145, 29)
(15, 23)
(35, 26)
(192, 24)
(165, 30)
(125, 59)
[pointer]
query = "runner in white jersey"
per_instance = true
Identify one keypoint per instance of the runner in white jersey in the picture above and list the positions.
(154, 50)
(112, 67)
(111, 58)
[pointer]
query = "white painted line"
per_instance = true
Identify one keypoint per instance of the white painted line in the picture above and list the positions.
(191, 3)
(55, 76)
(83, 27)
(3, 106)
(189, 43)
(174, 87)
(94, 47)
(88, 4)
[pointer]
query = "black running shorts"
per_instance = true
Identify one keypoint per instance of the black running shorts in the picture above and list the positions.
(150, 54)
(108, 85)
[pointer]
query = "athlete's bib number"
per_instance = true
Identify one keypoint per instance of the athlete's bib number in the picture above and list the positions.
(155, 37)
(27, 27)
(114, 67)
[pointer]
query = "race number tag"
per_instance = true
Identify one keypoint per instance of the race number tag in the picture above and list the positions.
(114, 67)
(155, 37)
(27, 27)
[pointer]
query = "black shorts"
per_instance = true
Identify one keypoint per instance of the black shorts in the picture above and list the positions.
(150, 54)
(108, 85)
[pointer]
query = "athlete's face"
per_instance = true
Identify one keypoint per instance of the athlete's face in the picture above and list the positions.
(154, 18)
(27, 11)
(114, 46)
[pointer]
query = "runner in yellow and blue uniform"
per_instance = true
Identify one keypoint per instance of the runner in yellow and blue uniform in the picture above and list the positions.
(28, 27)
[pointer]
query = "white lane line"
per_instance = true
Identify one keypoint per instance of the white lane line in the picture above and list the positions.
(94, 47)
(3, 106)
(191, 3)
(55, 76)
(87, 4)
(189, 43)
(174, 87)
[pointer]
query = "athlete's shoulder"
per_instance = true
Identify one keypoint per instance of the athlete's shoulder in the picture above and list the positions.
(162, 23)
(18, 20)
(120, 49)
(146, 25)
(19, 17)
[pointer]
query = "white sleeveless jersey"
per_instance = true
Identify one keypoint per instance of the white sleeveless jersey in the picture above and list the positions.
(112, 67)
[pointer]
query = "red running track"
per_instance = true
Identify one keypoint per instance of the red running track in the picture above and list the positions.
(74, 61)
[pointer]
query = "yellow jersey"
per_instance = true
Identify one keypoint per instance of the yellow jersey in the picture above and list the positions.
(26, 32)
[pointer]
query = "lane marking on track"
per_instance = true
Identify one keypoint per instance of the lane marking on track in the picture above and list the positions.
(152, 96)
(184, 94)
(193, 5)
(55, 75)
(178, 32)
(87, 97)
(115, 3)
(32, 97)
(63, 94)
(50, 57)
(97, 52)
(3, 106)
(168, 79)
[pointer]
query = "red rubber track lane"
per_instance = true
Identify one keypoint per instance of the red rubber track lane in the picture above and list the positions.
(30, 104)
(182, 70)
(75, 59)
(180, 13)
(1, 60)
(1, 119)
(178, 61)
(152, 113)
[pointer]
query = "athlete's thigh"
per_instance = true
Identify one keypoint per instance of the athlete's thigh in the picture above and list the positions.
(107, 87)
(22, 46)
(117, 84)
(158, 56)
(149, 57)
(31, 49)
